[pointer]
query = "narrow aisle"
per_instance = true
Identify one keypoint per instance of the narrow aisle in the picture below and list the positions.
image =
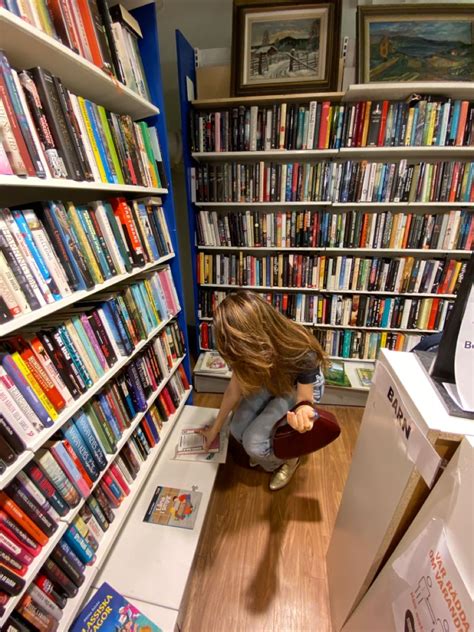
(260, 565)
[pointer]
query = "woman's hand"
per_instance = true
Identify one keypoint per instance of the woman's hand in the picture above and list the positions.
(209, 433)
(302, 420)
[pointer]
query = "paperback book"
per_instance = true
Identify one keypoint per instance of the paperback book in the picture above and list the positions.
(336, 375)
(174, 507)
(191, 441)
(365, 376)
(112, 612)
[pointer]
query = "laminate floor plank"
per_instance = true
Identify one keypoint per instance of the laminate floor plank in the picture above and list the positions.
(260, 564)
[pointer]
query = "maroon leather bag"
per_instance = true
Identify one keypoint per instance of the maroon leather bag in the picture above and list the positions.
(288, 443)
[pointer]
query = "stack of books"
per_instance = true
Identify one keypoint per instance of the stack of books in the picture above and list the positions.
(49, 132)
(51, 250)
(211, 373)
(106, 37)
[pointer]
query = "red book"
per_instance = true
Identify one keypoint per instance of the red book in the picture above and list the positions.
(447, 276)
(18, 535)
(184, 377)
(117, 474)
(454, 182)
(77, 463)
(12, 509)
(63, 23)
(204, 335)
(470, 237)
(14, 548)
(123, 213)
(433, 313)
(91, 34)
(407, 230)
(323, 125)
(169, 401)
(148, 434)
(16, 131)
(462, 122)
(294, 182)
(110, 400)
(39, 373)
(383, 123)
(357, 141)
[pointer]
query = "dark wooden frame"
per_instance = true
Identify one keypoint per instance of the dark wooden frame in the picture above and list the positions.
(329, 83)
(392, 10)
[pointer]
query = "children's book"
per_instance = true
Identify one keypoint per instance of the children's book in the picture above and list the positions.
(174, 507)
(365, 376)
(111, 612)
(336, 376)
(211, 362)
(191, 441)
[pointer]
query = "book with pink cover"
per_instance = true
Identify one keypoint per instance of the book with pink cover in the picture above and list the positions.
(5, 168)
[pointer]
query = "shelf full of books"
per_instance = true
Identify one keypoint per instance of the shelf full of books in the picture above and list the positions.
(350, 212)
(94, 369)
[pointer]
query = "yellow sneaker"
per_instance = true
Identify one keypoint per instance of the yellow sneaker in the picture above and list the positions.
(283, 475)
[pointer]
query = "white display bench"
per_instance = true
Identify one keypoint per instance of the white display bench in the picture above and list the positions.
(150, 564)
(450, 506)
(385, 489)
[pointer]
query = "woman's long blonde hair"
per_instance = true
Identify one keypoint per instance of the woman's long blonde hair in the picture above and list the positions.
(263, 348)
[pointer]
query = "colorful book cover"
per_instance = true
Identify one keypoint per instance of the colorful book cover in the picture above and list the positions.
(336, 376)
(191, 441)
(113, 613)
(365, 376)
(174, 507)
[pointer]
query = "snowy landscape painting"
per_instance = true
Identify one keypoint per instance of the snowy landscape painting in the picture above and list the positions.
(286, 48)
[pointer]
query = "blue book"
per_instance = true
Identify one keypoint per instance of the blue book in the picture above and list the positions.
(413, 129)
(141, 298)
(453, 127)
(115, 489)
(148, 231)
(112, 312)
(289, 180)
(135, 388)
(85, 430)
(79, 545)
(98, 140)
(71, 433)
(36, 254)
(386, 312)
(67, 551)
(79, 327)
(114, 612)
(25, 389)
(104, 404)
(122, 382)
(12, 6)
(109, 316)
(152, 427)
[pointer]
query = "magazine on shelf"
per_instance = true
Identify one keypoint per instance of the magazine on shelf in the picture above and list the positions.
(111, 612)
(365, 376)
(174, 507)
(191, 441)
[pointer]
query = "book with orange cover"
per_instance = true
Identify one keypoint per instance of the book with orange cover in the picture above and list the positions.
(123, 213)
(12, 509)
(90, 31)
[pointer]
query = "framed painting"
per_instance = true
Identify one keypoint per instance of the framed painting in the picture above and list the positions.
(281, 46)
(415, 42)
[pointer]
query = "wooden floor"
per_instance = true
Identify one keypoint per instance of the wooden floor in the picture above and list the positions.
(260, 565)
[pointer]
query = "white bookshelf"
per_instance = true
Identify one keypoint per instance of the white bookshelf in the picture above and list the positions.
(314, 290)
(70, 410)
(273, 154)
(19, 39)
(430, 152)
(412, 206)
(52, 308)
(113, 535)
(259, 204)
(393, 91)
(66, 520)
(334, 250)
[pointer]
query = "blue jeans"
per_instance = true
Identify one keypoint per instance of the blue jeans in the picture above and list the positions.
(252, 425)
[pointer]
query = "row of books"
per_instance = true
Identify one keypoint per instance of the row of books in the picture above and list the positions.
(349, 181)
(106, 37)
(324, 273)
(45, 369)
(419, 121)
(110, 411)
(49, 132)
(354, 311)
(364, 345)
(53, 249)
(309, 228)
(62, 478)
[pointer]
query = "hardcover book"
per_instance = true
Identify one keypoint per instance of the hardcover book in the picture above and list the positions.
(112, 612)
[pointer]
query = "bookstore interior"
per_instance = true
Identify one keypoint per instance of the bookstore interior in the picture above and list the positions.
(236, 345)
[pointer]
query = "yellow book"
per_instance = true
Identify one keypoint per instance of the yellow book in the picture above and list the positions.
(365, 129)
(84, 243)
(29, 377)
(321, 271)
(411, 115)
(393, 234)
(424, 314)
(201, 267)
(383, 339)
(329, 127)
(151, 300)
(90, 134)
(280, 270)
(454, 278)
(431, 124)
